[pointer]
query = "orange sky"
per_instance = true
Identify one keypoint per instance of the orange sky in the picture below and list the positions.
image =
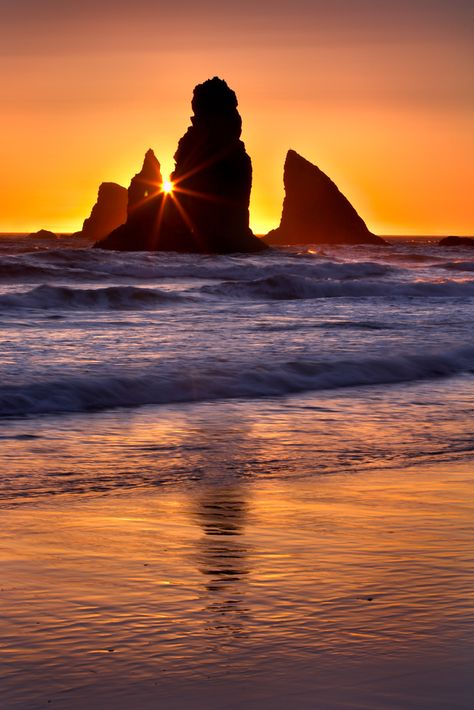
(380, 96)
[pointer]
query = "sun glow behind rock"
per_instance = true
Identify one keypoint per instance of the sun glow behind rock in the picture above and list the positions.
(167, 187)
(356, 103)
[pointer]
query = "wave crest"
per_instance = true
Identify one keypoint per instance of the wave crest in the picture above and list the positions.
(168, 384)
(109, 298)
(289, 287)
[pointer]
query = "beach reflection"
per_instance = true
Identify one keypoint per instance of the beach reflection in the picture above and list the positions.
(219, 506)
(222, 557)
(275, 585)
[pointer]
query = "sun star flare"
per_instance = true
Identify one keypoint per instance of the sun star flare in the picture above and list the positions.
(167, 187)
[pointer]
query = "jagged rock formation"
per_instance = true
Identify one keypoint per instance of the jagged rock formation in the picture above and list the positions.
(315, 211)
(146, 184)
(457, 242)
(208, 211)
(144, 212)
(213, 174)
(109, 211)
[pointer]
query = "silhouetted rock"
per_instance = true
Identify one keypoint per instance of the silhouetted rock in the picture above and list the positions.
(208, 211)
(145, 206)
(456, 242)
(315, 211)
(43, 234)
(213, 174)
(109, 211)
(146, 184)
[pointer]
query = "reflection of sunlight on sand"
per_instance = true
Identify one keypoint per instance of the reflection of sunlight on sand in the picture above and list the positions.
(332, 577)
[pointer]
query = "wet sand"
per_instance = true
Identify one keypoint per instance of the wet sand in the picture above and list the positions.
(334, 592)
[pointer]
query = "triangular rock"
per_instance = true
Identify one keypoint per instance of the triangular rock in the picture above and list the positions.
(315, 211)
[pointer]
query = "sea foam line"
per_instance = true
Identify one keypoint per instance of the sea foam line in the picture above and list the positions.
(170, 383)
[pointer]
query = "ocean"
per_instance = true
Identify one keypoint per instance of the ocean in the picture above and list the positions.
(284, 431)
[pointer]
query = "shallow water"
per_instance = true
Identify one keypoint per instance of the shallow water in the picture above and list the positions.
(342, 591)
(235, 482)
(299, 436)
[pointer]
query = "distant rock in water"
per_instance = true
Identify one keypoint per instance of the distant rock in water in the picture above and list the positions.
(43, 234)
(109, 212)
(208, 210)
(213, 174)
(315, 211)
(144, 211)
(457, 242)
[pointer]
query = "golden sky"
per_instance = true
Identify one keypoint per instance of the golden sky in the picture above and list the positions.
(378, 94)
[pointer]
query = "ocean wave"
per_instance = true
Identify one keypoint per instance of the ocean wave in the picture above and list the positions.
(290, 287)
(457, 265)
(75, 264)
(108, 298)
(326, 325)
(171, 383)
(20, 269)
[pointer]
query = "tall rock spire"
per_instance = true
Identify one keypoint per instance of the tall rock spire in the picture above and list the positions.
(208, 210)
(213, 174)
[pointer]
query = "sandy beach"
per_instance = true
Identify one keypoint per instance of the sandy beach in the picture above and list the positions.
(340, 591)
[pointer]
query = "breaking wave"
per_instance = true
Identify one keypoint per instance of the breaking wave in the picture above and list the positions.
(190, 382)
(457, 265)
(94, 264)
(288, 287)
(109, 298)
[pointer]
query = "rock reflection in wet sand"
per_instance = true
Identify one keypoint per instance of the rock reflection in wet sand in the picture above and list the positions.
(355, 590)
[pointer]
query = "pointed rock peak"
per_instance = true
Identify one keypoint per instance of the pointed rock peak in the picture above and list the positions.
(293, 155)
(295, 161)
(146, 184)
(151, 166)
(315, 210)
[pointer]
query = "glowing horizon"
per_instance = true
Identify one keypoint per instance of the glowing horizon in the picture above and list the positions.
(381, 101)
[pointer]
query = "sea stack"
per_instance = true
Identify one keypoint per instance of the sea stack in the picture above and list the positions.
(315, 211)
(145, 201)
(109, 211)
(213, 173)
(208, 208)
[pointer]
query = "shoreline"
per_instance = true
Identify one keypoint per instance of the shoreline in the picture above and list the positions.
(346, 590)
